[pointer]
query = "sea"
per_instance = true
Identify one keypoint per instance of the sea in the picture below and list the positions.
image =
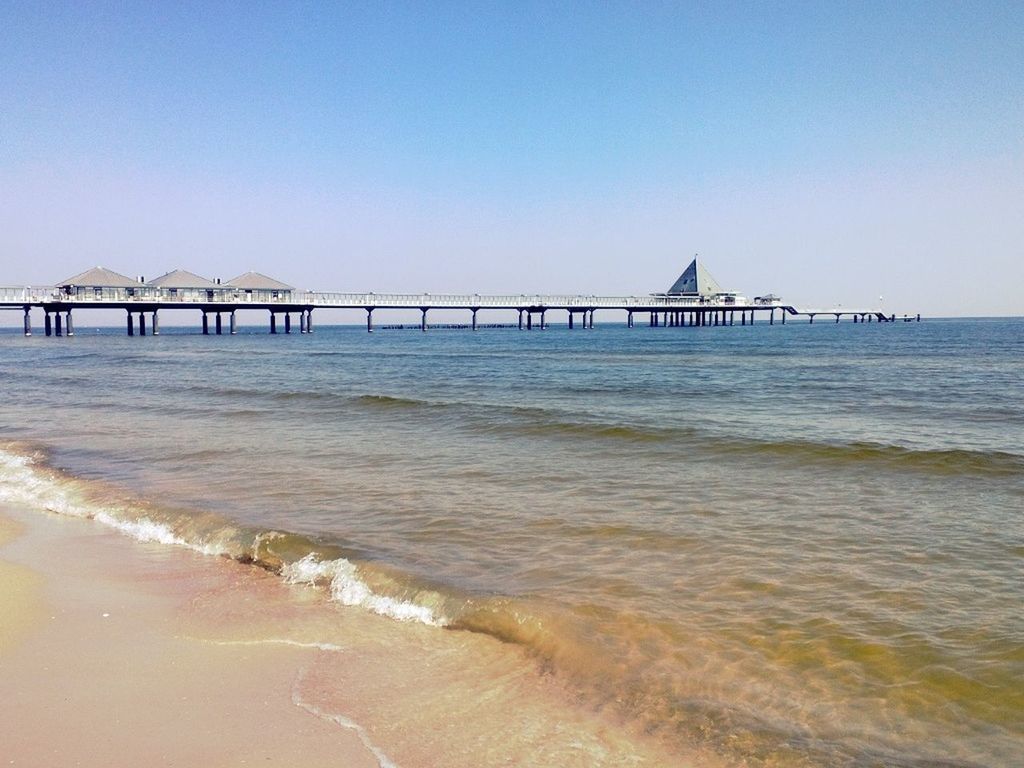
(797, 545)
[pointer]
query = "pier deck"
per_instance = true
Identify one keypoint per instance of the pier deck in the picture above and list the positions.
(658, 309)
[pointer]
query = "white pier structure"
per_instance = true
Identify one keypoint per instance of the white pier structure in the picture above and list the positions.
(695, 299)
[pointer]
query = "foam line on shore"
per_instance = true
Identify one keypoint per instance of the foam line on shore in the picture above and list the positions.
(331, 717)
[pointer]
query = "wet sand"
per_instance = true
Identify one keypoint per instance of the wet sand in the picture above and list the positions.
(116, 652)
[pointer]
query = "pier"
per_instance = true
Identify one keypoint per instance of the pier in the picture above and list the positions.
(694, 300)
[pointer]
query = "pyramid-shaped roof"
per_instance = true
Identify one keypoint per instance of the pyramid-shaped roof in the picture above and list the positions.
(695, 280)
(254, 281)
(100, 277)
(179, 278)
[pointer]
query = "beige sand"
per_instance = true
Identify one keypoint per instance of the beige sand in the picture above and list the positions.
(118, 653)
(102, 679)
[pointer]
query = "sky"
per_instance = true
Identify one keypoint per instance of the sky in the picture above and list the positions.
(829, 153)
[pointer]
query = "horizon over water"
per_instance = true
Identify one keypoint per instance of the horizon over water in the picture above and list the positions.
(794, 545)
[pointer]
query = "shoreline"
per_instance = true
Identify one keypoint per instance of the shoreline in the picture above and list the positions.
(123, 652)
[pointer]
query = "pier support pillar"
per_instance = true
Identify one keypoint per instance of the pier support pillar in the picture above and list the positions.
(520, 319)
(529, 320)
(219, 323)
(571, 316)
(783, 313)
(309, 321)
(57, 327)
(590, 324)
(369, 320)
(273, 322)
(919, 317)
(131, 325)
(423, 319)
(234, 323)
(69, 328)
(751, 317)
(543, 326)
(474, 310)
(629, 319)
(46, 323)
(142, 323)
(28, 321)
(287, 322)
(302, 321)
(837, 318)
(156, 324)
(811, 321)
(206, 323)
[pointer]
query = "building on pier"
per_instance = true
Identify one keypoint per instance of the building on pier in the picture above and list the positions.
(696, 282)
(100, 284)
(254, 287)
(181, 285)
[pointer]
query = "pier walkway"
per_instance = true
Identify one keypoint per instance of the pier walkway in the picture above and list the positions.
(142, 305)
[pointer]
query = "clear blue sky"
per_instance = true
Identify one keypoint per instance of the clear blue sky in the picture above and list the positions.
(828, 153)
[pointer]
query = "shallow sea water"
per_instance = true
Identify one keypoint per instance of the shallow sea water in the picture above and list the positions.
(798, 545)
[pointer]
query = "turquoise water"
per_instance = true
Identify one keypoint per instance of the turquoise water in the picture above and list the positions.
(797, 545)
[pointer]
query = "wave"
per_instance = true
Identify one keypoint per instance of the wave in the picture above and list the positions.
(27, 479)
(939, 461)
(557, 637)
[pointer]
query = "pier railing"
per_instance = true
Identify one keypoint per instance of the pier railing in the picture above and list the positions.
(144, 295)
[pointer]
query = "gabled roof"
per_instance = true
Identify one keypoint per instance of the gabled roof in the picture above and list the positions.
(696, 280)
(179, 278)
(101, 277)
(254, 281)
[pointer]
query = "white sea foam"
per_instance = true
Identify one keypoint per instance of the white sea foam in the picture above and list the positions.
(348, 588)
(22, 482)
(328, 647)
(382, 759)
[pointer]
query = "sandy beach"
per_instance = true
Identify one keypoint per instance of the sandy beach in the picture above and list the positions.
(116, 652)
